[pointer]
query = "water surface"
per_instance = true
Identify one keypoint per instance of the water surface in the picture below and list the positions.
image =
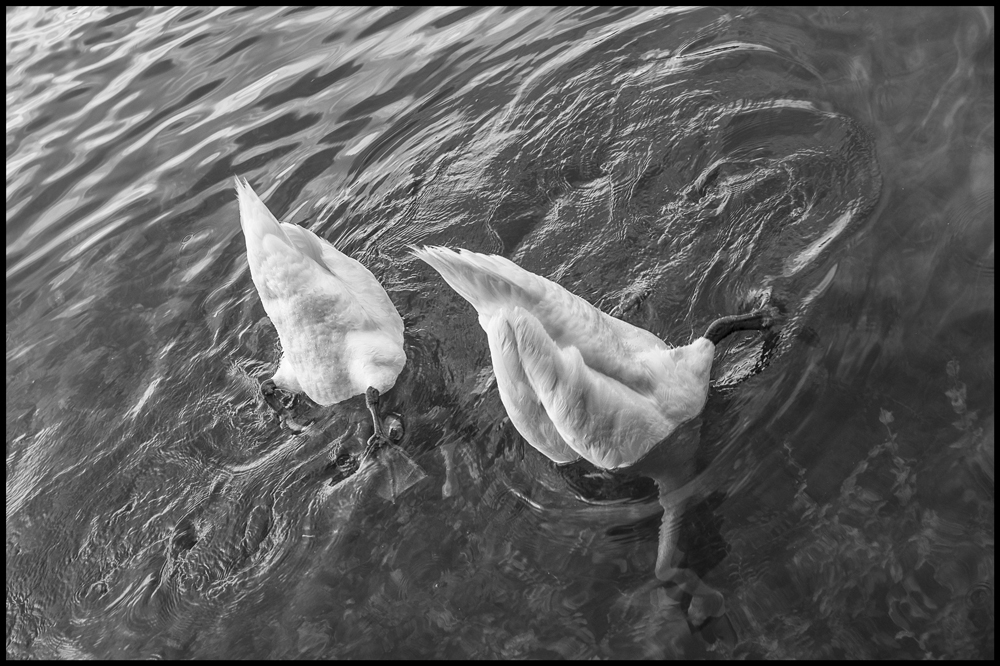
(667, 165)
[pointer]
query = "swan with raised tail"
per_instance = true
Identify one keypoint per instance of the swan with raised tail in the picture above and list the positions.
(340, 334)
(578, 383)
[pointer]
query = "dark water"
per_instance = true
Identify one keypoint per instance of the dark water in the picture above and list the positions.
(669, 166)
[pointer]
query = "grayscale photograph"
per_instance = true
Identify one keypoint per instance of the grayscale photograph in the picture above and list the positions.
(500, 333)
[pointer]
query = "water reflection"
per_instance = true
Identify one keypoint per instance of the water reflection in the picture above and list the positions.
(667, 165)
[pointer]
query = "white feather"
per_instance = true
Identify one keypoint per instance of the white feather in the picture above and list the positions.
(576, 382)
(339, 332)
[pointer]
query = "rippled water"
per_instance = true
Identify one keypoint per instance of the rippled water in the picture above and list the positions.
(667, 165)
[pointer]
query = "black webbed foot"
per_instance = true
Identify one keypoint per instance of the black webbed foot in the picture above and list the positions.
(272, 396)
(392, 426)
(342, 467)
(277, 398)
(294, 411)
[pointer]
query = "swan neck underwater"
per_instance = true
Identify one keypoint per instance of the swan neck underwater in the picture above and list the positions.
(723, 327)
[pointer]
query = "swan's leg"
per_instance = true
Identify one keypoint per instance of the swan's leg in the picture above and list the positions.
(378, 439)
(725, 326)
(667, 547)
(705, 602)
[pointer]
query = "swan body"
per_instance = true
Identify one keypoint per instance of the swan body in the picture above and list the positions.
(340, 334)
(578, 383)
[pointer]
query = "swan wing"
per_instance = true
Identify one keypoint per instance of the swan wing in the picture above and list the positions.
(602, 419)
(366, 291)
(523, 406)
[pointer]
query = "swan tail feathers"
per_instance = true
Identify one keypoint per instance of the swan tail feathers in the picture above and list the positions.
(257, 221)
(486, 281)
(260, 225)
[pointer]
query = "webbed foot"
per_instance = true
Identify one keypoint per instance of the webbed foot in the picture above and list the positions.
(277, 398)
(295, 412)
(269, 392)
(705, 601)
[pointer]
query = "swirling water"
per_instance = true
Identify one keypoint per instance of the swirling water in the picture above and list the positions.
(667, 165)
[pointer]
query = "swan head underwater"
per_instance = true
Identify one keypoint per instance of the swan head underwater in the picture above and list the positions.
(580, 384)
(340, 334)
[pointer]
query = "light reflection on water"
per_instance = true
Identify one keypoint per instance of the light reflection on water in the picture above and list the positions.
(667, 165)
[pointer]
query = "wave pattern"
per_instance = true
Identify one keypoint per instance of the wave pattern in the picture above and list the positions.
(668, 165)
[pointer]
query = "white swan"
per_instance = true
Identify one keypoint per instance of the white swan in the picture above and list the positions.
(340, 334)
(578, 383)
